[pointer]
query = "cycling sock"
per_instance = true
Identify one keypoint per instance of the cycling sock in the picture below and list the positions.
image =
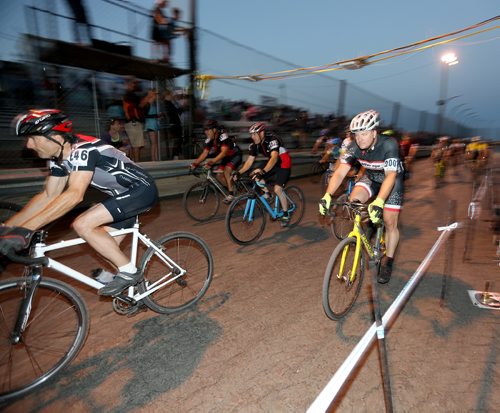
(129, 268)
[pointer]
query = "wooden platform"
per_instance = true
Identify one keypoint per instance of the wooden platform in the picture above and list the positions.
(92, 58)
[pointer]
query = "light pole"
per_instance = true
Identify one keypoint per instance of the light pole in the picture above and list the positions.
(448, 59)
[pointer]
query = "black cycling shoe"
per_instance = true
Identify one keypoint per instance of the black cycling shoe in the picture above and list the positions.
(384, 274)
(121, 281)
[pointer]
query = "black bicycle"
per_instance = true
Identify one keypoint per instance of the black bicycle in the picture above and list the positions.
(201, 200)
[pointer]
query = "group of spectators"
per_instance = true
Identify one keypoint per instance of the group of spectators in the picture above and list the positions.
(138, 115)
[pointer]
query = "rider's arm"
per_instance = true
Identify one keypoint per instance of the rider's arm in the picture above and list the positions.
(201, 158)
(271, 162)
(56, 206)
(247, 165)
(316, 145)
(54, 186)
(223, 153)
(337, 177)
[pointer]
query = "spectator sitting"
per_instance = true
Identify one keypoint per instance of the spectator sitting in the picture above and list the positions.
(116, 136)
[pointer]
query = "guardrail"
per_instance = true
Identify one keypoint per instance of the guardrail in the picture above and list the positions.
(172, 177)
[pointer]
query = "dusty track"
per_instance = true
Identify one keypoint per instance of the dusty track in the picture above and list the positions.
(259, 341)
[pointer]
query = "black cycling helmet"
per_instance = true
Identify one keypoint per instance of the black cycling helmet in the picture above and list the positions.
(43, 122)
(210, 124)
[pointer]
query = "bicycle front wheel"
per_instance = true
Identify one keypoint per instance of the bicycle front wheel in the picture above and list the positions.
(341, 288)
(57, 327)
(296, 199)
(245, 219)
(317, 170)
(341, 223)
(201, 201)
(192, 255)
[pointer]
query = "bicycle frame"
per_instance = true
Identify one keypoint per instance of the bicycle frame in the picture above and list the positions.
(274, 212)
(211, 178)
(358, 233)
(41, 248)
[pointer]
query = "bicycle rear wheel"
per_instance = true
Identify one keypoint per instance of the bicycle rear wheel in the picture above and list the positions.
(56, 331)
(295, 196)
(201, 201)
(339, 292)
(341, 223)
(7, 209)
(190, 253)
(245, 219)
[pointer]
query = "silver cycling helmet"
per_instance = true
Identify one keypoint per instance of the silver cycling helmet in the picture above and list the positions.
(368, 120)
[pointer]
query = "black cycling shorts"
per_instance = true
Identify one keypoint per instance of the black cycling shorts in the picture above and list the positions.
(233, 161)
(125, 207)
(394, 201)
(278, 176)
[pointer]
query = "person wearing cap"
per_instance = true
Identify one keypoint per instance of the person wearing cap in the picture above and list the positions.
(77, 162)
(221, 149)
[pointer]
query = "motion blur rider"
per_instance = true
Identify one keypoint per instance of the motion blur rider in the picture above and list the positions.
(277, 169)
(383, 177)
(75, 163)
(222, 148)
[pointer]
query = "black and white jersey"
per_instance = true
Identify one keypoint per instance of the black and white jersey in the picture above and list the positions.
(113, 171)
(380, 158)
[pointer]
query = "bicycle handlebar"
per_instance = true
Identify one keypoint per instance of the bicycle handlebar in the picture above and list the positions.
(14, 257)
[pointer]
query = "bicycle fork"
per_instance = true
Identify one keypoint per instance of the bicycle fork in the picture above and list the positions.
(32, 283)
(249, 208)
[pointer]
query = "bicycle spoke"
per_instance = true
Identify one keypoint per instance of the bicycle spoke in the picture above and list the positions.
(190, 254)
(341, 286)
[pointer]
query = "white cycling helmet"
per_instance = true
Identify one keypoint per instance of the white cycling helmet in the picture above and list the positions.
(368, 120)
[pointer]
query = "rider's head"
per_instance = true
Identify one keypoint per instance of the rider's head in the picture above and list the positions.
(324, 132)
(257, 131)
(210, 127)
(336, 141)
(364, 125)
(48, 124)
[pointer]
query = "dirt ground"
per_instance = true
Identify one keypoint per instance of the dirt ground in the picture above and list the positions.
(260, 342)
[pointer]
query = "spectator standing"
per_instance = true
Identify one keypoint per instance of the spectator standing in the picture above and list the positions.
(81, 21)
(133, 118)
(160, 33)
(173, 113)
(149, 106)
(174, 29)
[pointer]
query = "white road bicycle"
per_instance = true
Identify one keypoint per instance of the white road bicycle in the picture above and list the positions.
(44, 322)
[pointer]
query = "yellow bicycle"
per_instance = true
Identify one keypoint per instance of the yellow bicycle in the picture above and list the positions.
(345, 270)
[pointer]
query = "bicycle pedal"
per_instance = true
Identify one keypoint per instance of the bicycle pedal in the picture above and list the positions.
(126, 299)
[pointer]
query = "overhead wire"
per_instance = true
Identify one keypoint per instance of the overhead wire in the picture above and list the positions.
(357, 62)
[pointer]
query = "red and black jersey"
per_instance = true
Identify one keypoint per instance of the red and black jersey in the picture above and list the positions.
(215, 146)
(271, 143)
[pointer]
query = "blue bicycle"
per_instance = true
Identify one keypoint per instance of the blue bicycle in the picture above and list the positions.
(246, 216)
